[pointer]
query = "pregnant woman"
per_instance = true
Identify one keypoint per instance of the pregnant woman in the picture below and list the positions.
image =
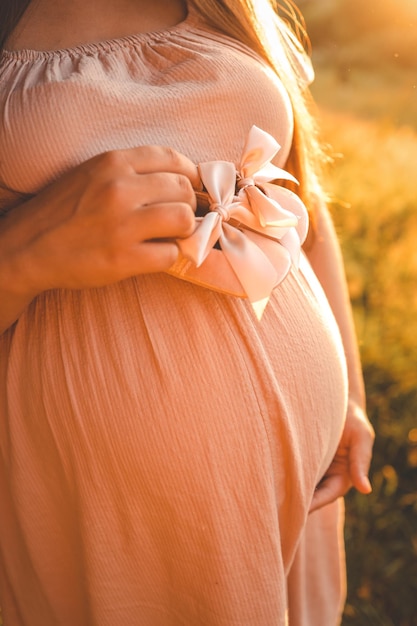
(171, 454)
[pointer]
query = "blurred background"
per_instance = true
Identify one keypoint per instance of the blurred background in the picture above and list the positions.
(365, 57)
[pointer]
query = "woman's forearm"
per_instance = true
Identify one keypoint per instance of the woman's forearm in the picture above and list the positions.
(15, 291)
(350, 466)
(12, 306)
(326, 259)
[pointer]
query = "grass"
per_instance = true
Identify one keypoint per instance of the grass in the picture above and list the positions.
(372, 127)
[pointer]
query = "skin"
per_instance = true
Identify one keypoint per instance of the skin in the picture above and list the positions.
(350, 465)
(98, 223)
(46, 23)
(115, 216)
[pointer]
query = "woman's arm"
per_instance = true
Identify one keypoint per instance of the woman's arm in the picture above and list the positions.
(97, 225)
(351, 463)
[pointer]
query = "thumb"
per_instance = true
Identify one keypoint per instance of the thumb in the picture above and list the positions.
(360, 455)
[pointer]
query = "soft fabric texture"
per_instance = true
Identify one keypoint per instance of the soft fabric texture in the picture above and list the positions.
(160, 446)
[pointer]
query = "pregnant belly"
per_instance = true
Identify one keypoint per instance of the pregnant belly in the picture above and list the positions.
(157, 357)
(156, 436)
(157, 386)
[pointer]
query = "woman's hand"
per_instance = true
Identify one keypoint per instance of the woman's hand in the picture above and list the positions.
(96, 224)
(350, 465)
(112, 217)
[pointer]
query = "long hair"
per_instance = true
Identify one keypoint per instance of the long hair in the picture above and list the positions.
(275, 30)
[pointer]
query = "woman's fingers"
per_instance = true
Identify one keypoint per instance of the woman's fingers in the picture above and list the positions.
(153, 159)
(331, 488)
(94, 225)
(360, 451)
(160, 187)
(360, 460)
(151, 257)
(350, 465)
(161, 221)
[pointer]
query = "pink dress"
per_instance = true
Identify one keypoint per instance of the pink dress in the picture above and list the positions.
(159, 445)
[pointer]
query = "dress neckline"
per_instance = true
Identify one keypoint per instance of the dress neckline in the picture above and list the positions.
(103, 46)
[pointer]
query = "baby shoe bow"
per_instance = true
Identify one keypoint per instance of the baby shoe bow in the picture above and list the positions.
(259, 226)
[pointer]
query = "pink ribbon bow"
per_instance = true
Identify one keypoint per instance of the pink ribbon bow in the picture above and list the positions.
(260, 228)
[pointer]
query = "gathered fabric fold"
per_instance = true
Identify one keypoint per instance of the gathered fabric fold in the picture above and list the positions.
(258, 225)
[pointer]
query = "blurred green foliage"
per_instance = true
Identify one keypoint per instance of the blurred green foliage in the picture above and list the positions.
(375, 214)
(366, 90)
